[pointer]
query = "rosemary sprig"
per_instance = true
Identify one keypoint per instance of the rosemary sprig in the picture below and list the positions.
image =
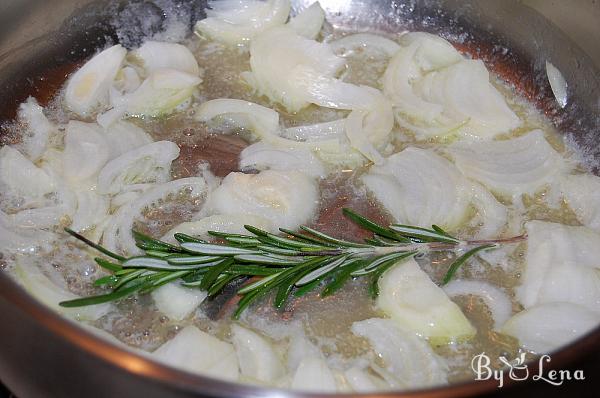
(294, 264)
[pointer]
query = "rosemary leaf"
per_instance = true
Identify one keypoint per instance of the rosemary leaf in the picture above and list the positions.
(461, 260)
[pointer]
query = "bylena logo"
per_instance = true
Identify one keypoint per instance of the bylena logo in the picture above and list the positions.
(518, 370)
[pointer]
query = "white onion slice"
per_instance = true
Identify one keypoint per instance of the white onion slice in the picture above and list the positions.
(316, 132)
(117, 233)
(287, 199)
(494, 298)
(234, 22)
(92, 209)
(263, 156)
(88, 88)
(199, 352)
(86, 151)
(123, 137)
(256, 356)
(153, 55)
(582, 194)
(21, 177)
(561, 265)
(510, 167)
(15, 239)
(366, 41)
(420, 188)
(361, 381)
(313, 375)
(408, 358)
(547, 327)
(558, 84)
(149, 163)
(39, 128)
(177, 302)
(308, 22)
(233, 224)
(410, 298)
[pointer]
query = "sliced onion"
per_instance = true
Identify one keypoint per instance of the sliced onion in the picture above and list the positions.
(19, 176)
(420, 188)
(313, 375)
(16, 239)
(263, 156)
(366, 41)
(127, 81)
(35, 139)
(287, 199)
(308, 22)
(234, 22)
(547, 327)
(117, 233)
(582, 194)
(408, 358)
(256, 356)
(92, 209)
(123, 137)
(561, 265)
(149, 163)
(362, 382)
(410, 298)
(177, 302)
(496, 299)
(510, 167)
(88, 88)
(558, 84)
(316, 132)
(491, 214)
(153, 55)
(199, 352)
(86, 151)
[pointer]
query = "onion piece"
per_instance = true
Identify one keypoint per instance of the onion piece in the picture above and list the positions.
(86, 151)
(408, 358)
(409, 297)
(234, 22)
(149, 163)
(153, 55)
(177, 302)
(16, 239)
(92, 209)
(496, 299)
(582, 194)
(561, 265)
(117, 235)
(88, 88)
(199, 352)
(35, 139)
(308, 22)
(313, 375)
(366, 41)
(262, 156)
(123, 137)
(420, 188)
(316, 132)
(19, 176)
(256, 356)
(287, 199)
(547, 327)
(510, 167)
(558, 84)
(233, 224)
(50, 294)
(361, 381)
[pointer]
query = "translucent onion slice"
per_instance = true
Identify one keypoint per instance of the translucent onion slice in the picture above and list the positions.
(494, 298)
(233, 224)
(20, 177)
(234, 22)
(177, 302)
(50, 294)
(287, 199)
(547, 327)
(409, 297)
(199, 352)
(88, 88)
(92, 209)
(277, 56)
(149, 163)
(510, 167)
(360, 380)
(582, 194)
(558, 84)
(561, 265)
(407, 357)
(39, 128)
(153, 55)
(123, 137)
(117, 233)
(314, 375)
(308, 22)
(16, 239)
(263, 156)
(256, 356)
(86, 151)
(420, 188)
(365, 41)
